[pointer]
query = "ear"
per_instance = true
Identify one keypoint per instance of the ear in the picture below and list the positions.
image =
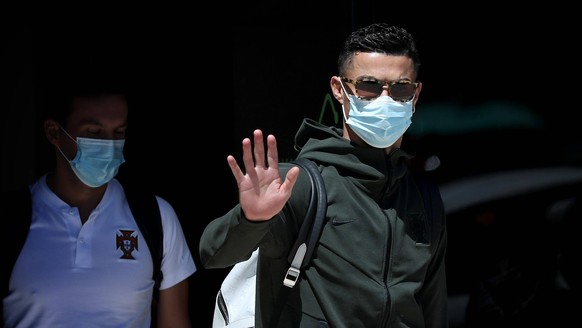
(52, 131)
(417, 94)
(336, 89)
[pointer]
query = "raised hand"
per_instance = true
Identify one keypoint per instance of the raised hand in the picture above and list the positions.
(261, 193)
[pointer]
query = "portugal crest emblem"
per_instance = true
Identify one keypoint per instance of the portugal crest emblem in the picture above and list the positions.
(127, 243)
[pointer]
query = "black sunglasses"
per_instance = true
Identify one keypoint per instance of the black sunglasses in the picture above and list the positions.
(401, 90)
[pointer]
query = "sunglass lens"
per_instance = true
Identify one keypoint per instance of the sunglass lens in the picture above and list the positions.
(369, 89)
(402, 91)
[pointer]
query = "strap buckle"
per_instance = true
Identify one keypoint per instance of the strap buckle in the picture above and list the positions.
(294, 270)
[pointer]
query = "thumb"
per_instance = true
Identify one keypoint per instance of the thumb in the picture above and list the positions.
(290, 179)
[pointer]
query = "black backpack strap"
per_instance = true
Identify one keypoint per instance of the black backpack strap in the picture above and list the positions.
(146, 212)
(16, 218)
(309, 233)
(310, 230)
(432, 203)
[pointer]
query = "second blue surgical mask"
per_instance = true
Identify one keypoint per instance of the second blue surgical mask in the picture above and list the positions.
(97, 160)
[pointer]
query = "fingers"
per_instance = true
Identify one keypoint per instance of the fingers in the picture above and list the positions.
(253, 156)
(235, 169)
(290, 179)
(272, 152)
(259, 151)
(248, 160)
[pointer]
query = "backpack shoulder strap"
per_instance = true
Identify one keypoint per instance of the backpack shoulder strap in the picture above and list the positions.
(432, 203)
(310, 230)
(308, 237)
(17, 215)
(16, 218)
(146, 212)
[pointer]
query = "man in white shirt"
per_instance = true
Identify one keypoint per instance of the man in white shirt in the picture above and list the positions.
(85, 262)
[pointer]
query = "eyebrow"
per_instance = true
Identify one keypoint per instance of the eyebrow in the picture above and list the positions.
(91, 121)
(367, 77)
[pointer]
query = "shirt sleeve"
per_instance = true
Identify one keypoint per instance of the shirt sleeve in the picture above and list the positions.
(177, 263)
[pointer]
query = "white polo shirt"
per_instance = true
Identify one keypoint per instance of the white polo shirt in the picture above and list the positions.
(98, 274)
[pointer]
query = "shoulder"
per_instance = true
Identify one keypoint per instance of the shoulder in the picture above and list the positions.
(145, 201)
(17, 204)
(431, 198)
(425, 183)
(166, 209)
(303, 186)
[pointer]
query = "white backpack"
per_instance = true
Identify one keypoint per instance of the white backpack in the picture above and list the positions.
(238, 296)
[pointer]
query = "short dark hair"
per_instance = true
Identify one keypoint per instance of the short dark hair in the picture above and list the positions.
(381, 38)
(56, 97)
(82, 61)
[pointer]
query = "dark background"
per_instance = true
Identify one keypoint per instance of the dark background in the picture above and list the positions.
(204, 77)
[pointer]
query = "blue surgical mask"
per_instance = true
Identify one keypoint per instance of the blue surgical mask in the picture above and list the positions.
(379, 122)
(97, 160)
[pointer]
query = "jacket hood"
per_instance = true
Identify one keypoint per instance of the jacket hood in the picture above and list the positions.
(371, 167)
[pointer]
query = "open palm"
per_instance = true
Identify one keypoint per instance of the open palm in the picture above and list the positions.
(262, 194)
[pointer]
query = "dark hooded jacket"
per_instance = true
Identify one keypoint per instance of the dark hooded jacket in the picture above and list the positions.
(380, 261)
